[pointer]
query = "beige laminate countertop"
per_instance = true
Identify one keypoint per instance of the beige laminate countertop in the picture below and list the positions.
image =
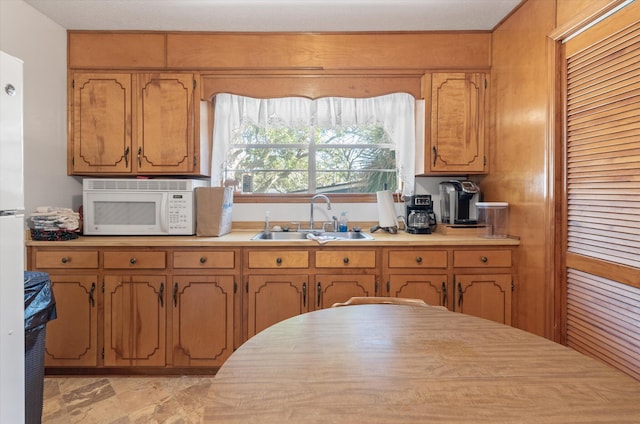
(242, 238)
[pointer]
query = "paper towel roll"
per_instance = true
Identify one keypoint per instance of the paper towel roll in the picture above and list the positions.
(386, 210)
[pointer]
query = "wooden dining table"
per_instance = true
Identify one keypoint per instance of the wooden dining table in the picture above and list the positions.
(406, 364)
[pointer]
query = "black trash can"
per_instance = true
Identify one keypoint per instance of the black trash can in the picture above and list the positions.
(39, 309)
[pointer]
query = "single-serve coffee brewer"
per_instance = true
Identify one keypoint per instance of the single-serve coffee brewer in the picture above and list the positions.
(458, 202)
(420, 218)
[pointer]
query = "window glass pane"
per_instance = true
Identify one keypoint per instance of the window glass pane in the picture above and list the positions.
(363, 134)
(269, 170)
(345, 160)
(252, 134)
(274, 158)
(355, 170)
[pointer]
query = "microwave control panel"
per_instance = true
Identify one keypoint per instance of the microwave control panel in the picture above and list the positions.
(180, 213)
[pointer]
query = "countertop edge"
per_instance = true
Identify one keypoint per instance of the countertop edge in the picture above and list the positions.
(243, 239)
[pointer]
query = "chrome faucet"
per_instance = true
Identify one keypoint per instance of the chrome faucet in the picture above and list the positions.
(313, 200)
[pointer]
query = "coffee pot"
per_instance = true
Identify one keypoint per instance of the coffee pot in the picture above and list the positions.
(420, 218)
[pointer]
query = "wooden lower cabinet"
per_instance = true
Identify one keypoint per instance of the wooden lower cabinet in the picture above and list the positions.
(180, 307)
(274, 298)
(433, 289)
(282, 283)
(417, 274)
(483, 283)
(202, 317)
(334, 288)
(72, 338)
(135, 320)
(485, 296)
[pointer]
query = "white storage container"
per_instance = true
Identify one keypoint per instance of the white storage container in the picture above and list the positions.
(493, 217)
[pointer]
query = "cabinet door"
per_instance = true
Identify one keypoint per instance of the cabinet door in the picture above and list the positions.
(134, 320)
(457, 123)
(331, 288)
(71, 338)
(485, 296)
(165, 124)
(275, 298)
(101, 124)
(433, 289)
(202, 320)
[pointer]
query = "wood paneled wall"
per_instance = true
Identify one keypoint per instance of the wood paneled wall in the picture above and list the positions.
(519, 150)
(569, 9)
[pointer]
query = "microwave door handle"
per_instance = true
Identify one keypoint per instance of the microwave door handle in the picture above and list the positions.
(164, 213)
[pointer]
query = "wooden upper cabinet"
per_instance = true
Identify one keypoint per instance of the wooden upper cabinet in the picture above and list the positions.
(165, 119)
(136, 124)
(457, 124)
(100, 124)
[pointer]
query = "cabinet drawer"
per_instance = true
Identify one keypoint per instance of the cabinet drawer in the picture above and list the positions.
(204, 259)
(346, 258)
(481, 258)
(278, 259)
(67, 259)
(417, 258)
(135, 260)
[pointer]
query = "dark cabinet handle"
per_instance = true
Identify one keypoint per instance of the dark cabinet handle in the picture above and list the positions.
(279, 261)
(161, 295)
(304, 294)
(133, 261)
(91, 292)
(65, 260)
(388, 287)
(203, 259)
(175, 294)
(419, 259)
(444, 294)
(319, 293)
(126, 157)
(459, 296)
(435, 155)
(345, 260)
(139, 156)
(484, 259)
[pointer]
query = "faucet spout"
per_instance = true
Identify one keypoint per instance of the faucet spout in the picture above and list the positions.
(312, 203)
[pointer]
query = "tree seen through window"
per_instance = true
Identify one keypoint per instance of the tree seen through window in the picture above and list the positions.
(285, 160)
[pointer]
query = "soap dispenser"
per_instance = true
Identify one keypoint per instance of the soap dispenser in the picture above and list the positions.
(342, 226)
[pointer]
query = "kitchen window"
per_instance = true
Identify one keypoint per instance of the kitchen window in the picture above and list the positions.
(331, 145)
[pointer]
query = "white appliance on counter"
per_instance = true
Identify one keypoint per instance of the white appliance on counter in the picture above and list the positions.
(131, 206)
(12, 354)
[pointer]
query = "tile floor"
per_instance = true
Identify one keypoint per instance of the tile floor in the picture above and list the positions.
(123, 400)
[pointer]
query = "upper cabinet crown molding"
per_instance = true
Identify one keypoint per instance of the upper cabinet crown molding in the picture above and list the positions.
(109, 50)
(255, 51)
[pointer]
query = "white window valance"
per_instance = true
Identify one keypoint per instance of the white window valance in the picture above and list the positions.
(395, 112)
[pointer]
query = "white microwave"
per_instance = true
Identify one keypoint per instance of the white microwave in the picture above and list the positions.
(114, 206)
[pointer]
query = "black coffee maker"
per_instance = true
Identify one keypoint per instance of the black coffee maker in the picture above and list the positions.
(420, 218)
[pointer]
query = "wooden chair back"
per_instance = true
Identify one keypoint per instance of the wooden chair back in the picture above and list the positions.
(368, 300)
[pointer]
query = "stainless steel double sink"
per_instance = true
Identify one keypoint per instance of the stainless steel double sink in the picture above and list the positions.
(312, 235)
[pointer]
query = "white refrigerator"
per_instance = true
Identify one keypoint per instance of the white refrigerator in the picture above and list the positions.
(12, 355)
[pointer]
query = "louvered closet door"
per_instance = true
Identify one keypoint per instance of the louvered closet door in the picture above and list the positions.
(603, 191)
